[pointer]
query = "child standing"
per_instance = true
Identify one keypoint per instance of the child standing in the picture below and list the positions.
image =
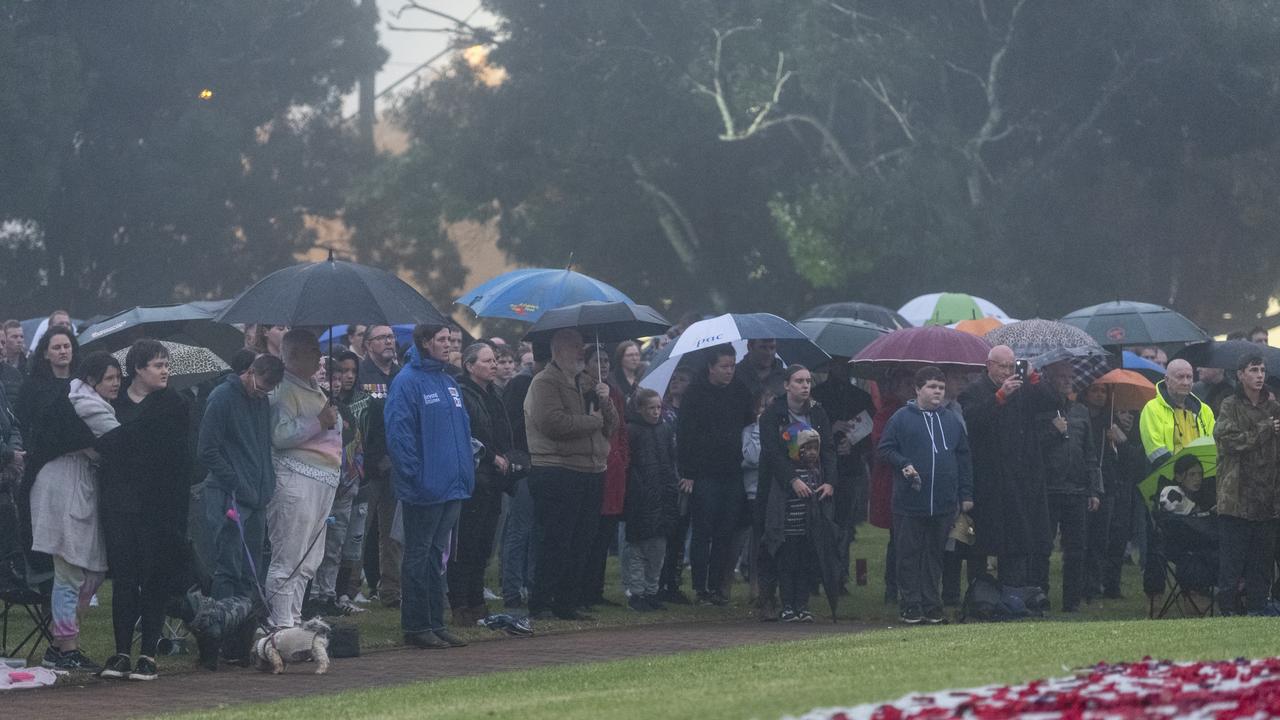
(650, 505)
(926, 444)
(796, 558)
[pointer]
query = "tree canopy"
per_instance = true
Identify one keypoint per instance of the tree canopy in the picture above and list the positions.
(763, 155)
(168, 150)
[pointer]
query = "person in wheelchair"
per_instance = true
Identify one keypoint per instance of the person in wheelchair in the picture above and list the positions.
(1187, 528)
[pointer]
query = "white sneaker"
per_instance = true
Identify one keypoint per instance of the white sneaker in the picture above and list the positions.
(360, 599)
(93, 601)
(488, 595)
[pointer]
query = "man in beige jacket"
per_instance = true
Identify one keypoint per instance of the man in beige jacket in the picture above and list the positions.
(568, 420)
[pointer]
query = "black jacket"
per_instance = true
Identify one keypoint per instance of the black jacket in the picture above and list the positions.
(146, 461)
(377, 383)
(50, 428)
(1070, 461)
(652, 484)
(709, 430)
(777, 470)
(513, 396)
(1011, 504)
(48, 422)
(490, 426)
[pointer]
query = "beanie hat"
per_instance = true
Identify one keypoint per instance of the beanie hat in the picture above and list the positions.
(796, 436)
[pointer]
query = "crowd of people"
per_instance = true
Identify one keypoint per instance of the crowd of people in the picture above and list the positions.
(310, 480)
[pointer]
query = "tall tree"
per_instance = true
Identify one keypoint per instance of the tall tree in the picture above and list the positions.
(158, 151)
(755, 154)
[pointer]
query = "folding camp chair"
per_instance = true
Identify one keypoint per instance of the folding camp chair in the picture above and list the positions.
(20, 599)
(1181, 540)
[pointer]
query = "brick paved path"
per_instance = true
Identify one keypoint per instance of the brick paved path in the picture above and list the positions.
(196, 690)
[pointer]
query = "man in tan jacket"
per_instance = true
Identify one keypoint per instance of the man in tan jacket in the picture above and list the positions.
(568, 420)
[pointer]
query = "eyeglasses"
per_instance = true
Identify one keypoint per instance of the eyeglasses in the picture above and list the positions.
(381, 338)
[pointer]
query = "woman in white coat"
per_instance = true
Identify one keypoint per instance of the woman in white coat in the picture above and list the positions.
(64, 513)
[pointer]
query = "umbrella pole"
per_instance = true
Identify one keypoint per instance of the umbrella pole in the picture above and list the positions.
(328, 364)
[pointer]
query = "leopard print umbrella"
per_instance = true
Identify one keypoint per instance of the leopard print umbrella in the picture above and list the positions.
(188, 365)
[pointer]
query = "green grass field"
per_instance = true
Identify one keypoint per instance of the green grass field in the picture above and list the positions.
(773, 680)
(380, 627)
(769, 680)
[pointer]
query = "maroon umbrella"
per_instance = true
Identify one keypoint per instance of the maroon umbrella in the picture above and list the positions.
(917, 346)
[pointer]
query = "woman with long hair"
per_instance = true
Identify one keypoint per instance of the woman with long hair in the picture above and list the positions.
(627, 367)
(64, 512)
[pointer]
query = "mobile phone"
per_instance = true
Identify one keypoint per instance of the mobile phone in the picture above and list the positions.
(1022, 368)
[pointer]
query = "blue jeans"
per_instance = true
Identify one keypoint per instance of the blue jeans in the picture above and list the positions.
(426, 537)
(518, 543)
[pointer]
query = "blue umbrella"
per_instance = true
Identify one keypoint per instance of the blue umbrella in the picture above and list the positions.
(404, 334)
(526, 294)
(1133, 361)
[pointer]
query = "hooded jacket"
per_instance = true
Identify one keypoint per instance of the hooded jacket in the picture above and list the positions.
(935, 443)
(428, 434)
(652, 485)
(235, 444)
(1158, 424)
(1248, 454)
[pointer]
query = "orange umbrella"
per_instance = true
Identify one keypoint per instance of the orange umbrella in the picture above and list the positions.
(1129, 390)
(979, 327)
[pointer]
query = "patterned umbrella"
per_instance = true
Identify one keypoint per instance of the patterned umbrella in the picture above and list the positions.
(188, 365)
(1045, 342)
(933, 345)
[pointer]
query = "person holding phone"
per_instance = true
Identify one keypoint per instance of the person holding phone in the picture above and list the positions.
(1011, 510)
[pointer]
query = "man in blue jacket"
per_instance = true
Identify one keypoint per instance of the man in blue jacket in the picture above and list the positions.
(927, 445)
(429, 443)
(235, 445)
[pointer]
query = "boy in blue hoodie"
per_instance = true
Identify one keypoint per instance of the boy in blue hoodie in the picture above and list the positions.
(926, 444)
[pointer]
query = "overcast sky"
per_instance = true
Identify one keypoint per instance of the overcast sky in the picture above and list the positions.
(408, 50)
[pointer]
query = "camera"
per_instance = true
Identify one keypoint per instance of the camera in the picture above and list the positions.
(1022, 368)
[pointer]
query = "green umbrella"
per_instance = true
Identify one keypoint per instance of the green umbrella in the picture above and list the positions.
(1202, 448)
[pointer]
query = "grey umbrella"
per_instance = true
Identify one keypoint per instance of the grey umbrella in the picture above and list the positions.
(841, 337)
(189, 324)
(1124, 322)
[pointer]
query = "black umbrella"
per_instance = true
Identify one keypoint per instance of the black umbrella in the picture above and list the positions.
(189, 323)
(1227, 355)
(1123, 322)
(824, 536)
(877, 314)
(333, 292)
(606, 322)
(841, 337)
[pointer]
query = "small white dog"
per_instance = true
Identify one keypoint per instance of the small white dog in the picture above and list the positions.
(308, 641)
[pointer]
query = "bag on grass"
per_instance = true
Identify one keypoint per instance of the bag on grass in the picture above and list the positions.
(987, 600)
